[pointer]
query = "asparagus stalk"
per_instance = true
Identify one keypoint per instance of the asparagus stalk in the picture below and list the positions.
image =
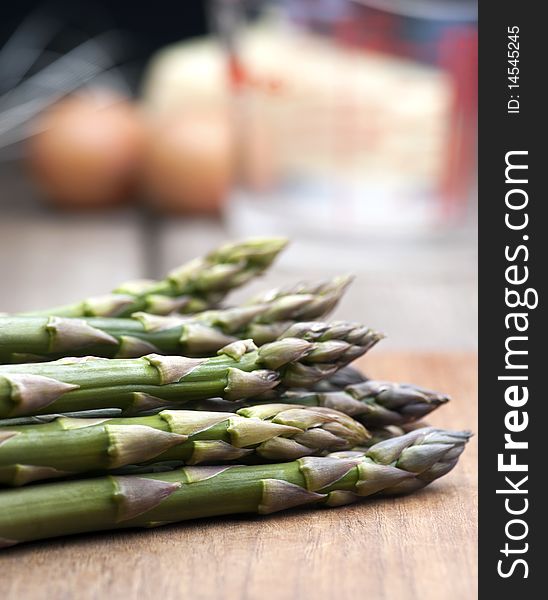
(70, 446)
(399, 465)
(30, 339)
(306, 353)
(193, 287)
(375, 404)
(383, 407)
(348, 376)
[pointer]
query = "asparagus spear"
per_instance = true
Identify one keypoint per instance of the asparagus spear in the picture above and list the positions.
(30, 339)
(398, 465)
(70, 446)
(348, 375)
(376, 403)
(306, 353)
(373, 403)
(383, 407)
(193, 287)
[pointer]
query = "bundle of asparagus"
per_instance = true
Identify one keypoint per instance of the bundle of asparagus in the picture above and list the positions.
(137, 395)
(304, 354)
(400, 465)
(262, 319)
(75, 445)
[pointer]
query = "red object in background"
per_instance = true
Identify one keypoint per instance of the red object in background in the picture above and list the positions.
(455, 52)
(237, 75)
(459, 57)
(374, 30)
(452, 47)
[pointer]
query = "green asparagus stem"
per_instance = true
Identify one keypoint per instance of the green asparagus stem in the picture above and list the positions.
(70, 446)
(399, 465)
(348, 376)
(30, 339)
(193, 287)
(383, 407)
(306, 353)
(375, 404)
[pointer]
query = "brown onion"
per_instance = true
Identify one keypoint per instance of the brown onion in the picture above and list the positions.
(189, 162)
(87, 150)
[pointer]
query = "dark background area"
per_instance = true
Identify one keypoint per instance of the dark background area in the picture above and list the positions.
(147, 25)
(141, 28)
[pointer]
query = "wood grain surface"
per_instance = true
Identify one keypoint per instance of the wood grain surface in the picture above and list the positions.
(417, 547)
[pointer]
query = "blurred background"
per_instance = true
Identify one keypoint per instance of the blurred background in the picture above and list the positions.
(135, 137)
